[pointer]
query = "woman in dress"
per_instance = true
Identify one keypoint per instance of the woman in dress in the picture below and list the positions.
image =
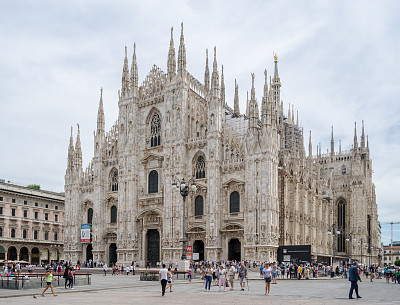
(222, 278)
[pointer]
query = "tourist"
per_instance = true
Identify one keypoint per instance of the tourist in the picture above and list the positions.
(163, 278)
(222, 279)
(299, 271)
(71, 274)
(65, 276)
(353, 278)
(105, 269)
(231, 274)
(267, 272)
(169, 280)
(274, 273)
(190, 274)
(49, 278)
(242, 276)
(208, 277)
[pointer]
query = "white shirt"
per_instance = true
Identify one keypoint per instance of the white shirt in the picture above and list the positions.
(164, 274)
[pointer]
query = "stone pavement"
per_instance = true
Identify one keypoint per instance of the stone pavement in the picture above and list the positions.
(128, 290)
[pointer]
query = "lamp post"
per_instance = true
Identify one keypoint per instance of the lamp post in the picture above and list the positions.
(184, 188)
(334, 233)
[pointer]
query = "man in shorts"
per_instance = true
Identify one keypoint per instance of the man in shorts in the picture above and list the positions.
(242, 276)
(231, 274)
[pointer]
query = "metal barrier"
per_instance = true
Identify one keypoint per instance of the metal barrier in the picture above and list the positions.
(19, 281)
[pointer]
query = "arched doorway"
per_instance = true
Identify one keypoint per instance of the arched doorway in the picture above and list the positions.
(45, 259)
(24, 254)
(2, 253)
(12, 254)
(198, 247)
(234, 250)
(112, 254)
(89, 254)
(153, 246)
(35, 256)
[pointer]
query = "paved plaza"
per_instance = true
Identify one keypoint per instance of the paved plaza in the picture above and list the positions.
(129, 290)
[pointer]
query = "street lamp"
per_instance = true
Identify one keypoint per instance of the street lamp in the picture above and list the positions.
(184, 188)
(334, 233)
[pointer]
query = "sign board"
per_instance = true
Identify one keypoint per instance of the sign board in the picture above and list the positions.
(196, 256)
(189, 256)
(286, 258)
(189, 249)
(85, 233)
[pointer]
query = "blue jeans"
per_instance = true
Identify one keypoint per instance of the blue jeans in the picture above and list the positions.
(208, 281)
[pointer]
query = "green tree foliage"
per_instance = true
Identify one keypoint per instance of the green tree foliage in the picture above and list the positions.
(34, 186)
(397, 262)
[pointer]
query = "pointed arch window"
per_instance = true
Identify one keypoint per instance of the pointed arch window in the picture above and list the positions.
(113, 214)
(114, 180)
(234, 202)
(155, 130)
(341, 220)
(90, 216)
(199, 206)
(200, 168)
(153, 182)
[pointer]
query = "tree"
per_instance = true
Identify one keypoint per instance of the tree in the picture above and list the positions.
(34, 186)
(397, 262)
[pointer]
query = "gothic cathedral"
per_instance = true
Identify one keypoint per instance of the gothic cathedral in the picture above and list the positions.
(256, 188)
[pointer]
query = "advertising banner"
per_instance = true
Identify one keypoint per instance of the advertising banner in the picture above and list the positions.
(85, 233)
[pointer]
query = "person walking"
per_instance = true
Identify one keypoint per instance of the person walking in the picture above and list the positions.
(354, 277)
(208, 277)
(222, 278)
(49, 278)
(267, 272)
(163, 278)
(242, 276)
(231, 273)
(169, 280)
(105, 269)
(66, 276)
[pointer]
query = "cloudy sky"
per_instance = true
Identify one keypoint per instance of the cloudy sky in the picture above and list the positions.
(338, 63)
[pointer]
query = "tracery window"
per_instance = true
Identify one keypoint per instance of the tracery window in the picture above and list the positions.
(341, 220)
(199, 206)
(155, 130)
(114, 180)
(234, 202)
(200, 167)
(113, 214)
(153, 182)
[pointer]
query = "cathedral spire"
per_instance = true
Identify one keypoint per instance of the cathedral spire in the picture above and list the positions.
(355, 147)
(71, 152)
(207, 74)
(100, 114)
(310, 147)
(222, 86)
(253, 106)
(340, 147)
(171, 65)
(332, 144)
(215, 77)
(134, 73)
(181, 54)
(236, 100)
(265, 109)
(247, 105)
(362, 136)
(276, 74)
(125, 74)
(78, 151)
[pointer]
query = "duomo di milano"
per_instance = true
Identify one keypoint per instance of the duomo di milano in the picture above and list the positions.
(257, 188)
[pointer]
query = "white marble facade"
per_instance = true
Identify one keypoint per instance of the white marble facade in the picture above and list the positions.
(174, 126)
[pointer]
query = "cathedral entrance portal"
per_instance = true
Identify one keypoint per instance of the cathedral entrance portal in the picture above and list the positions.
(153, 246)
(112, 255)
(198, 247)
(89, 254)
(234, 249)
